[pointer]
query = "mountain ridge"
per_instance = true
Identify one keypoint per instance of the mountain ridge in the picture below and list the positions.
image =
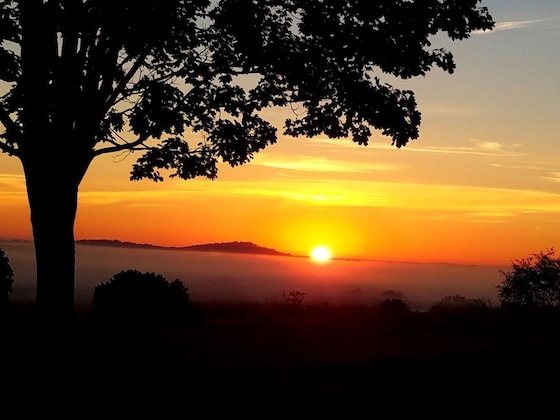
(237, 247)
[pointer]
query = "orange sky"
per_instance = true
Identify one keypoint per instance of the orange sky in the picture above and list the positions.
(481, 185)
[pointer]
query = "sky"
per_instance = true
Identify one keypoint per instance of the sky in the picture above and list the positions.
(481, 185)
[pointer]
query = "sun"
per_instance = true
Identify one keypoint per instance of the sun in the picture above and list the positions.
(321, 254)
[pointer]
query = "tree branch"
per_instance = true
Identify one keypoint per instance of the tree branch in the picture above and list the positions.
(119, 147)
(121, 86)
(8, 149)
(13, 129)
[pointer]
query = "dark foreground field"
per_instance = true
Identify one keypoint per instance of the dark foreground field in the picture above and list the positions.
(256, 353)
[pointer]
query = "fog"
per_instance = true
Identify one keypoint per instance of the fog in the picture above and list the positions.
(211, 276)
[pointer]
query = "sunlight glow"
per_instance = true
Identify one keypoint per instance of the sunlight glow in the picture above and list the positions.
(321, 254)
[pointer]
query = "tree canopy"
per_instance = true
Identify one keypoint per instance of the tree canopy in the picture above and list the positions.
(117, 75)
(183, 85)
(533, 281)
(142, 298)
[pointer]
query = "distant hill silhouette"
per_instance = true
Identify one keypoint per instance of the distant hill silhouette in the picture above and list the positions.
(230, 247)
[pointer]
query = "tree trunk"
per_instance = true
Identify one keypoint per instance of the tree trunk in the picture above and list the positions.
(53, 200)
(55, 149)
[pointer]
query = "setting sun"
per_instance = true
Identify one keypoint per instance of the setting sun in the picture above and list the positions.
(321, 254)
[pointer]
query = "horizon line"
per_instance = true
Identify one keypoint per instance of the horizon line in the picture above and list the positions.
(280, 253)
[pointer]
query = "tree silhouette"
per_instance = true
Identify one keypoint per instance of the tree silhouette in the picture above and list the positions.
(532, 282)
(134, 298)
(161, 79)
(6, 279)
(393, 306)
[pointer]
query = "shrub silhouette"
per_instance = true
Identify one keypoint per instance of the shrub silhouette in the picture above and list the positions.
(137, 298)
(6, 279)
(392, 294)
(394, 305)
(459, 303)
(294, 298)
(294, 301)
(532, 282)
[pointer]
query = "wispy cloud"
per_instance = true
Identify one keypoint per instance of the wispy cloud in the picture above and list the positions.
(478, 204)
(12, 181)
(518, 167)
(313, 164)
(493, 214)
(507, 26)
(476, 147)
(555, 176)
(149, 198)
(12, 188)
(490, 146)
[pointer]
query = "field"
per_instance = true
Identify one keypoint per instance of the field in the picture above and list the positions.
(277, 354)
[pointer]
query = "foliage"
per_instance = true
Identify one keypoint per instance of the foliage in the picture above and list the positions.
(6, 278)
(184, 84)
(532, 282)
(459, 303)
(181, 76)
(294, 298)
(137, 298)
(393, 305)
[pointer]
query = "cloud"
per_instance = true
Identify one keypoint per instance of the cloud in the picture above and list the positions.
(517, 167)
(148, 198)
(507, 26)
(477, 147)
(494, 214)
(12, 188)
(12, 182)
(555, 176)
(313, 164)
(490, 146)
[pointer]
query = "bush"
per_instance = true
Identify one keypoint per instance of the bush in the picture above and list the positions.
(132, 297)
(393, 306)
(532, 282)
(6, 279)
(294, 298)
(459, 303)
(294, 301)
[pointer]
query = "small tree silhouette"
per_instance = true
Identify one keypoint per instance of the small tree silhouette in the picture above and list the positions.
(6, 279)
(394, 306)
(133, 297)
(532, 282)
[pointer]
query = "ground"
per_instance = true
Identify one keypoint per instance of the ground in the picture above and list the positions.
(255, 352)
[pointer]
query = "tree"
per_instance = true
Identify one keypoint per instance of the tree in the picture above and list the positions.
(131, 297)
(532, 282)
(161, 79)
(394, 306)
(6, 279)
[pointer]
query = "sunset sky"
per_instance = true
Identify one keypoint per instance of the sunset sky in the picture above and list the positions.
(481, 185)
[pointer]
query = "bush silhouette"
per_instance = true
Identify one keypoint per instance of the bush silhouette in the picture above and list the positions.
(294, 298)
(459, 303)
(137, 298)
(6, 279)
(532, 282)
(393, 306)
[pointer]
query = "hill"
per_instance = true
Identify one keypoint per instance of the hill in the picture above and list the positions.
(230, 247)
